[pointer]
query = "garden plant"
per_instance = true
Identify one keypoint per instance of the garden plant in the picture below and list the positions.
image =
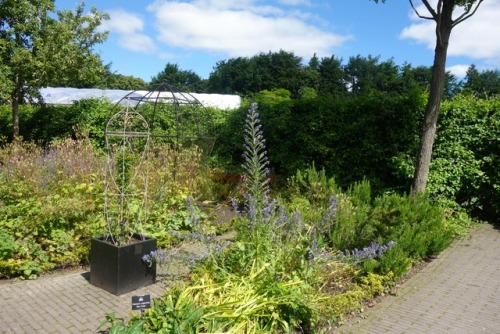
(301, 261)
(52, 204)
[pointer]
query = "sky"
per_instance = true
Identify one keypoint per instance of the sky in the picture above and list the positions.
(146, 35)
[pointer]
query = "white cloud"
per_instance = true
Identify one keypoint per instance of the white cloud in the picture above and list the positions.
(458, 70)
(129, 29)
(123, 22)
(240, 28)
(476, 37)
(166, 56)
(295, 2)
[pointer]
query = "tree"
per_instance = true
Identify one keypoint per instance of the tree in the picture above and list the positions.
(120, 81)
(420, 77)
(366, 74)
(232, 76)
(187, 81)
(442, 15)
(281, 69)
(265, 71)
(310, 76)
(485, 83)
(113, 80)
(41, 46)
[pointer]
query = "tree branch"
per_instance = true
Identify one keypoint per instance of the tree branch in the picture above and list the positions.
(429, 8)
(439, 7)
(467, 14)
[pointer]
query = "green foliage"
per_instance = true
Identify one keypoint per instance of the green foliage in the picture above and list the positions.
(26, 113)
(185, 81)
(286, 271)
(418, 227)
(51, 202)
(92, 115)
(469, 138)
(46, 123)
(176, 312)
(313, 185)
(374, 135)
(55, 207)
(331, 74)
(366, 74)
(327, 76)
(350, 137)
(346, 302)
(264, 282)
(40, 47)
(228, 148)
(396, 261)
(465, 156)
(50, 46)
(265, 71)
(120, 81)
(117, 325)
(484, 83)
(7, 245)
(254, 303)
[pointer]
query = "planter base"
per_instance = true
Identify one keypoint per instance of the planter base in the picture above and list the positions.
(120, 269)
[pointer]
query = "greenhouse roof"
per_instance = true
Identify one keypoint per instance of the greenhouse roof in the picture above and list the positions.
(64, 95)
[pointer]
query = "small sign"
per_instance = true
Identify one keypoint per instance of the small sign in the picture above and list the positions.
(141, 302)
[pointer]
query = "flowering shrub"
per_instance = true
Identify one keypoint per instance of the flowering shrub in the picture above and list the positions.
(198, 232)
(367, 253)
(50, 204)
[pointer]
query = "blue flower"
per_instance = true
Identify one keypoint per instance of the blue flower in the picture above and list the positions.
(367, 253)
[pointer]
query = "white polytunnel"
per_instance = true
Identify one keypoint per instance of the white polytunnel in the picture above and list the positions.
(65, 95)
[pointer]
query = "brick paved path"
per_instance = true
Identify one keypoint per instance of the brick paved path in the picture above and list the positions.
(457, 293)
(67, 303)
(64, 304)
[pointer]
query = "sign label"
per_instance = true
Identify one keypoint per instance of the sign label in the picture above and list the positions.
(141, 302)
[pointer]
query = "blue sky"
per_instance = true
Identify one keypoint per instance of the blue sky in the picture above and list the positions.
(145, 35)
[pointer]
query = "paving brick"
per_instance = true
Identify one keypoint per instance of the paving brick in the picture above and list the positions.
(459, 292)
(41, 331)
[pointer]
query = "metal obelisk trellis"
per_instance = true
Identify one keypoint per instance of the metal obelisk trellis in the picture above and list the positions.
(145, 118)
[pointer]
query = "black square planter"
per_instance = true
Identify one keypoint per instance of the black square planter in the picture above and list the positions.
(120, 269)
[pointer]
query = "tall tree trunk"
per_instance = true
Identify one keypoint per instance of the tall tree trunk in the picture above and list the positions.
(443, 32)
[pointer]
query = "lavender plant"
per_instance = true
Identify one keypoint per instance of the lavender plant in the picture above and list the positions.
(367, 253)
(206, 242)
(328, 216)
(173, 262)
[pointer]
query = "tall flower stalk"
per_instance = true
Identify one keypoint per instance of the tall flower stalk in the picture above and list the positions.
(255, 164)
(258, 206)
(270, 234)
